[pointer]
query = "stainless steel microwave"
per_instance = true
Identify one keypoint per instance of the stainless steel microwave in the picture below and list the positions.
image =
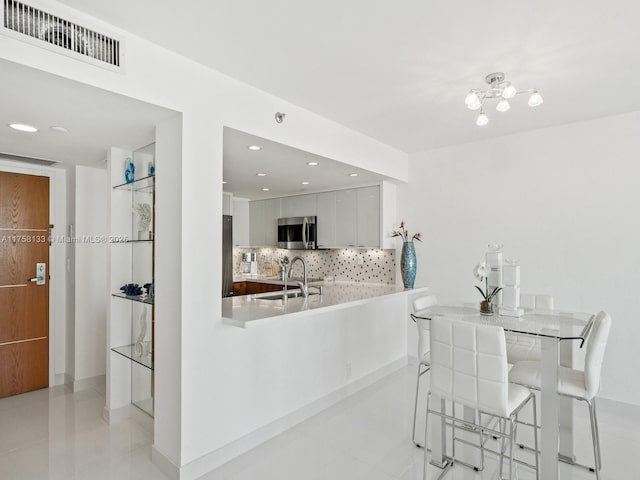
(298, 233)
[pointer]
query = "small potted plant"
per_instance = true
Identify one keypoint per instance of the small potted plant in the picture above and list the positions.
(408, 261)
(480, 272)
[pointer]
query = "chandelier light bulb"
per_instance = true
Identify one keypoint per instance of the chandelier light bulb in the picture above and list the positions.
(535, 99)
(503, 105)
(482, 120)
(472, 101)
(509, 92)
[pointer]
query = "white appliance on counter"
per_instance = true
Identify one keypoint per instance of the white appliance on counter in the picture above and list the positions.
(249, 264)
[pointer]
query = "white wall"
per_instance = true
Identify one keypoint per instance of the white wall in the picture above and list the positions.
(90, 272)
(201, 401)
(564, 200)
(68, 230)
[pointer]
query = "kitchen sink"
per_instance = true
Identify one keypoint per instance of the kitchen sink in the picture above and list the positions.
(280, 295)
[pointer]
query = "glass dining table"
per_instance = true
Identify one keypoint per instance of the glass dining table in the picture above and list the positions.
(558, 332)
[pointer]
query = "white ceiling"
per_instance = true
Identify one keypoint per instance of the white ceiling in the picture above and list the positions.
(399, 71)
(286, 167)
(95, 119)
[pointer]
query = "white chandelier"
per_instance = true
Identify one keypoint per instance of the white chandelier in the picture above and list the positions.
(501, 90)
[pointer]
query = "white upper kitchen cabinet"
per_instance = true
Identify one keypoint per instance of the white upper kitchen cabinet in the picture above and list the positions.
(299, 206)
(368, 217)
(271, 215)
(240, 212)
(346, 218)
(263, 222)
(326, 226)
(257, 223)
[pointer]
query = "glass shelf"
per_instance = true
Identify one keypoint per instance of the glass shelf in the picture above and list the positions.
(128, 351)
(135, 298)
(144, 184)
(133, 241)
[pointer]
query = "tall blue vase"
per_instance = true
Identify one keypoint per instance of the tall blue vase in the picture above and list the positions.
(408, 264)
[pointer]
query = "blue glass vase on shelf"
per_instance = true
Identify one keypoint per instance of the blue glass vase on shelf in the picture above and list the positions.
(408, 260)
(129, 170)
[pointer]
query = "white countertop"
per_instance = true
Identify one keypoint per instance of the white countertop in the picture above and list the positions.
(247, 310)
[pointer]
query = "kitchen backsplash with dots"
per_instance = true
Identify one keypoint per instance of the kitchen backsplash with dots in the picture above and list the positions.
(371, 265)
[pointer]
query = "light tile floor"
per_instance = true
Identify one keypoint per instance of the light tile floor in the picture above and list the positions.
(54, 434)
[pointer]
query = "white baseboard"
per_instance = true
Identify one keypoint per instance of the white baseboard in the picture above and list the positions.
(216, 458)
(83, 384)
(166, 466)
(116, 415)
(62, 379)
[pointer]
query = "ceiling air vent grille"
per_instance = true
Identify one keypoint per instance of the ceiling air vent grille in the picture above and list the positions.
(53, 30)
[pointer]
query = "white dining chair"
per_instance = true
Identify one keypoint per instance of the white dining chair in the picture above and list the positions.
(526, 347)
(582, 385)
(422, 305)
(469, 367)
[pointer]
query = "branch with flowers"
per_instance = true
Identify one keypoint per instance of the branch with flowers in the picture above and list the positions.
(481, 274)
(404, 233)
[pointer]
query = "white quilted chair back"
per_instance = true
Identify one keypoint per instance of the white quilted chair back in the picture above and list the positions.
(536, 302)
(528, 300)
(420, 304)
(594, 357)
(544, 302)
(469, 365)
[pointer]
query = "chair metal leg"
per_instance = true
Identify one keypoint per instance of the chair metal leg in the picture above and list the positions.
(511, 439)
(481, 436)
(595, 418)
(535, 436)
(415, 407)
(453, 430)
(426, 437)
(594, 438)
(502, 430)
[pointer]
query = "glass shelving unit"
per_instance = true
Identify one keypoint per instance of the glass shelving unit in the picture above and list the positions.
(140, 346)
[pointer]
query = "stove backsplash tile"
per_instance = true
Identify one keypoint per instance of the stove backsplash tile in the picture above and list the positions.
(371, 265)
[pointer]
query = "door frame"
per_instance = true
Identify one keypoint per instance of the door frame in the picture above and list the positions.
(57, 261)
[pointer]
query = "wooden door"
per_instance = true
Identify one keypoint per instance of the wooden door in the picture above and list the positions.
(24, 305)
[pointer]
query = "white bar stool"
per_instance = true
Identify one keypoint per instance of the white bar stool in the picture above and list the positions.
(422, 304)
(469, 367)
(581, 385)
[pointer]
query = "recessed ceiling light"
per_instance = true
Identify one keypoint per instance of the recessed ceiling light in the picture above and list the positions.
(353, 174)
(58, 128)
(304, 183)
(254, 148)
(23, 128)
(312, 164)
(265, 189)
(261, 174)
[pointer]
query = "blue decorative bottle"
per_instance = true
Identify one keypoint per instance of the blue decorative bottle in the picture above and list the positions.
(408, 264)
(129, 170)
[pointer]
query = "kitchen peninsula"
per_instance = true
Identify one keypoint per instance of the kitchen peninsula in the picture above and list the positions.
(250, 310)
